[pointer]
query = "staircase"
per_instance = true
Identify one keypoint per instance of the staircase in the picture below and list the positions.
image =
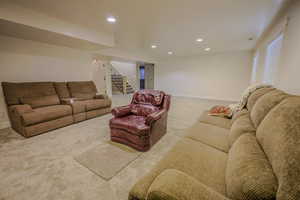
(120, 84)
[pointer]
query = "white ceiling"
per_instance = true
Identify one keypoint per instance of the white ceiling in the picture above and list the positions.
(172, 25)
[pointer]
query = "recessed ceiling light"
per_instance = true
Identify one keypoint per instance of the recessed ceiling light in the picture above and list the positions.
(153, 46)
(170, 52)
(111, 19)
(207, 49)
(199, 40)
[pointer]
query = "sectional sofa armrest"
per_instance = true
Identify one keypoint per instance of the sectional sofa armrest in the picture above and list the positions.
(155, 116)
(121, 111)
(172, 184)
(101, 96)
(70, 101)
(18, 110)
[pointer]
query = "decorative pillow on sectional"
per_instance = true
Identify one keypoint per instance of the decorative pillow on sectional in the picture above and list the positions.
(36, 102)
(220, 111)
(143, 110)
(249, 174)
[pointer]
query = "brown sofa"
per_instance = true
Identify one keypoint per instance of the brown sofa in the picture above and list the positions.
(256, 155)
(38, 107)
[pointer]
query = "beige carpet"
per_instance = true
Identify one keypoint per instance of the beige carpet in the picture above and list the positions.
(44, 168)
(107, 160)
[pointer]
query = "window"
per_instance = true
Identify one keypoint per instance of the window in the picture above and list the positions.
(272, 60)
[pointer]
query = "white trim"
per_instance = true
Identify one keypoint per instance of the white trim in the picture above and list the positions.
(207, 98)
(4, 124)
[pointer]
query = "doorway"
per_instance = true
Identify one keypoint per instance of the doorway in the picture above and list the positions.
(142, 77)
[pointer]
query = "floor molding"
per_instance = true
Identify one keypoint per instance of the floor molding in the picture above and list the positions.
(207, 98)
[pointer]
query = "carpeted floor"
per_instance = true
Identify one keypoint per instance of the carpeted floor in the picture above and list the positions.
(43, 167)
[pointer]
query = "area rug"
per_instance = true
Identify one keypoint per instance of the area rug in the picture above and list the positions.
(107, 160)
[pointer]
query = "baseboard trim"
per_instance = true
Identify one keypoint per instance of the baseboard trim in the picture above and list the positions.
(4, 125)
(208, 98)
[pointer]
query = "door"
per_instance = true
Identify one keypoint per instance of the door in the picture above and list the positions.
(142, 77)
(149, 76)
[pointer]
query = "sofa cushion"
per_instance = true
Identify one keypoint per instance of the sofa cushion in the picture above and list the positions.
(204, 163)
(48, 125)
(211, 135)
(46, 114)
(172, 184)
(62, 90)
(82, 89)
(36, 102)
(240, 126)
(14, 91)
(131, 123)
(238, 114)
(279, 136)
(255, 96)
(78, 107)
(83, 96)
(249, 174)
(264, 104)
(94, 104)
(143, 110)
(217, 121)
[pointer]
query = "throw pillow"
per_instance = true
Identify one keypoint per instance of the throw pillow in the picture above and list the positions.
(220, 111)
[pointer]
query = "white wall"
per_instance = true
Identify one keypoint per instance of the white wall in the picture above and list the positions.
(22, 60)
(127, 69)
(290, 61)
(220, 76)
(287, 76)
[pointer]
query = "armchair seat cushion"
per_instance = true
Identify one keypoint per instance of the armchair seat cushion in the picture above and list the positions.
(131, 123)
(46, 114)
(94, 104)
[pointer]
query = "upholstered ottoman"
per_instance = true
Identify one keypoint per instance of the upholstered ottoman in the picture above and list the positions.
(142, 123)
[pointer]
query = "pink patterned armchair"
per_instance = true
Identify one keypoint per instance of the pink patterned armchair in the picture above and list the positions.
(142, 123)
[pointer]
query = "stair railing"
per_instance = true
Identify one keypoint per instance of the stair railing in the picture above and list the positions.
(125, 81)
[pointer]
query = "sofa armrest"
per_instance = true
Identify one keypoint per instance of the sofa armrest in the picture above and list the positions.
(18, 110)
(155, 116)
(101, 96)
(67, 101)
(121, 111)
(172, 184)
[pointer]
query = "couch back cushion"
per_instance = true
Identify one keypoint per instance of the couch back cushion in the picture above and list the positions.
(264, 104)
(36, 102)
(82, 89)
(152, 97)
(62, 90)
(279, 136)
(143, 110)
(241, 126)
(249, 174)
(13, 92)
(255, 96)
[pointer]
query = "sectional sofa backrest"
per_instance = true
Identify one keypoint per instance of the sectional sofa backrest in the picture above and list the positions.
(39, 94)
(36, 94)
(270, 145)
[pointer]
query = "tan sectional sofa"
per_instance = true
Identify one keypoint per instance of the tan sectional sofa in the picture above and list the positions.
(38, 107)
(256, 155)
